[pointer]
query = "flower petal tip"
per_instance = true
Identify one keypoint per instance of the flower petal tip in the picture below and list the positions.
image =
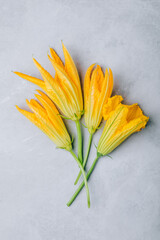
(18, 108)
(39, 91)
(27, 101)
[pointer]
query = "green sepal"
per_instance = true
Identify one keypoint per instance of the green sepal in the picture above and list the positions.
(75, 115)
(109, 156)
(95, 145)
(60, 148)
(99, 127)
(84, 125)
(82, 112)
(99, 154)
(64, 117)
(72, 139)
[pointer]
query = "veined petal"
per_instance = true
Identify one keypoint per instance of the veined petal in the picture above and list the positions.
(114, 124)
(97, 88)
(50, 89)
(56, 58)
(134, 112)
(97, 117)
(32, 117)
(123, 121)
(53, 89)
(100, 78)
(72, 71)
(102, 96)
(130, 128)
(92, 95)
(97, 100)
(53, 114)
(110, 85)
(62, 84)
(70, 88)
(47, 100)
(46, 75)
(34, 80)
(71, 68)
(87, 81)
(43, 117)
(37, 105)
(60, 142)
(111, 105)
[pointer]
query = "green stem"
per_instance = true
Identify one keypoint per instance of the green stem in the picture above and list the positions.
(84, 176)
(83, 183)
(86, 157)
(79, 140)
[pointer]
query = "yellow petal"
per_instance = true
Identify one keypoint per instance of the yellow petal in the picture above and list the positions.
(114, 124)
(37, 105)
(34, 80)
(123, 121)
(91, 100)
(43, 72)
(70, 86)
(53, 89)
(101, 96)
(130, 128)
(61, 84)
(71, 68)
(56, 58)
(96, 117)
(69, 80)
(40, 114)
(100, 78)
(111, 105)
(87, 81)
(52, 113)
(44, 119)
(47, 100)
(96, 89)
(96, 92)
(32, 117)
(110, 85)
(134, 112)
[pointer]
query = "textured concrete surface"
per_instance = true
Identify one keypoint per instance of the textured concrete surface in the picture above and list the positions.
(36, 179)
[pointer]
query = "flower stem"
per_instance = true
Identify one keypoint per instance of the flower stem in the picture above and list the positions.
(84, 176)
(83, 183)
(79, 140)
(86, 157)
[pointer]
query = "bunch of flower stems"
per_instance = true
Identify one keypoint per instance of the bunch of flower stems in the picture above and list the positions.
(83, 162)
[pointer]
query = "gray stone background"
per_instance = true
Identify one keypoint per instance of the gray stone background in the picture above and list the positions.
(36, 179)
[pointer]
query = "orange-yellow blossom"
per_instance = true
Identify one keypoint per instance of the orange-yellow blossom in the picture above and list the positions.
(46, 117)
(97, 90)
(122, 121)
(65, 88)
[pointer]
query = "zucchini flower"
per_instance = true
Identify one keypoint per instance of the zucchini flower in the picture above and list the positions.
(122, 121)
(97, 90)
(64, 89)
(46, 117)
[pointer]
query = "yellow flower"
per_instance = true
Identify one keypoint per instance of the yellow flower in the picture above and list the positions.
(65, 88)
(47, 118)
(121, 123)
(97, 90)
